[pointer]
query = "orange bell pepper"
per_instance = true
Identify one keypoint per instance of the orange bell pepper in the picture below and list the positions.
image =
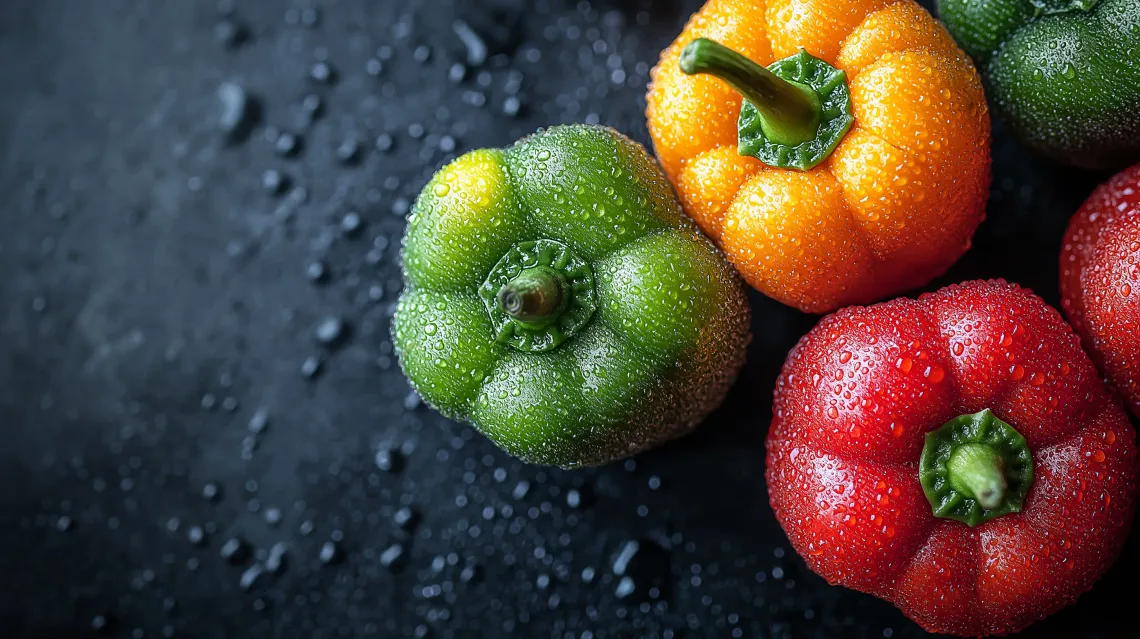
(872, 134)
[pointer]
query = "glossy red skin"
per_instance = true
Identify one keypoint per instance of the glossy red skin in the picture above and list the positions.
(1100, 280)
(852, 406)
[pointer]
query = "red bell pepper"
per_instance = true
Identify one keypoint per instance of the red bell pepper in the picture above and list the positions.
(1100, 280)
(957, 455)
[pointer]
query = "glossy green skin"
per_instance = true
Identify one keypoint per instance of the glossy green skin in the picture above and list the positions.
(1067, 83)
(671, 326)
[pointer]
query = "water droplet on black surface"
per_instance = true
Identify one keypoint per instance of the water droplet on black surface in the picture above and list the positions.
(273, 516)
(322, 72)
(331, 332)
(230, 34)
(259, 421)
(237, 112)
(287, 145)
(249, 576)
(274, 182)
(348, 152)
(388, 460)
(211, 492)
(235, 550)
(512, 106)
(405, 518)
(275, 562)
(330, 553)
(625, 588)
(384, 143)
(351, 224)
(102, 624)
(310, 17)
(392, 555)
(472, 42)
(196, 536)
(312, 108)
(311, 367)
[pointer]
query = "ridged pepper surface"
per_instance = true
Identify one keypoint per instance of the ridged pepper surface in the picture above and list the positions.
(858, 167)
(559, 300)
(957, 455)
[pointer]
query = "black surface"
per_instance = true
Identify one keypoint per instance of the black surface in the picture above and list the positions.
(156, 295)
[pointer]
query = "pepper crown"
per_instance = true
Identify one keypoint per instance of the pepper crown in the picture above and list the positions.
(795, 112)
(1052, 7)
(539, 295)
(975, 468)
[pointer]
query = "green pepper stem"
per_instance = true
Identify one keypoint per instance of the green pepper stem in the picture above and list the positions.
(534, 296)
(978, 471)
(790, 112)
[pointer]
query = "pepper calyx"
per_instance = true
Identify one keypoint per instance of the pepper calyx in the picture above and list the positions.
(974, 468)
(795, 111)
(538, 295)
(1054, 7)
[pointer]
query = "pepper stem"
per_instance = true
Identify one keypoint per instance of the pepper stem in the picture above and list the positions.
(974, 468)
(978, 472)
(534, 296)
(790, 112)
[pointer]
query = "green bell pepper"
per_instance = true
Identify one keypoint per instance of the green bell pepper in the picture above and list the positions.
(1064, 74)
(559, 300)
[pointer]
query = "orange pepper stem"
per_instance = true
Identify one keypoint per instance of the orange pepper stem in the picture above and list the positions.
(789, 111)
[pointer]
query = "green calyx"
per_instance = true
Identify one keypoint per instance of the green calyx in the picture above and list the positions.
(538, 295)
(795, 112)
(975, 468)
(1053, 7)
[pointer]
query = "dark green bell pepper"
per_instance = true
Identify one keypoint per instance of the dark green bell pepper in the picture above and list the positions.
(1063, 74)
(559, 300)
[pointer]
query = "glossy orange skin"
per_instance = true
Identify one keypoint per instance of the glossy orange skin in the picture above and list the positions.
(898, 200)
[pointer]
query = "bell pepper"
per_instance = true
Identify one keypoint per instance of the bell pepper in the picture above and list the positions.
(1100, 280)
(956, 455)
(559, 300)
(856, 165)
(1063, 74)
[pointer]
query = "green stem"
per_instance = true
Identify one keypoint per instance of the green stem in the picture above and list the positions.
(790, 112)
(978, 472)
(974, 468)
(534, 296)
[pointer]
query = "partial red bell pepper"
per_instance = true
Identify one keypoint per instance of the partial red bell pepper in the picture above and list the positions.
(1100, 280)
(956, 455)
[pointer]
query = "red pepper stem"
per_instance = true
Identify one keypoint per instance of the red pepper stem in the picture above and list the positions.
(978, 471)
(790, 112)
(534, 296)
(974, 468)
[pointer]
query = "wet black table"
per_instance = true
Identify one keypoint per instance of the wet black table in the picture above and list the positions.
(205, 431)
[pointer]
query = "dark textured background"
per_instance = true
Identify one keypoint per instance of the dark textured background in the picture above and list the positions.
(155, 298)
